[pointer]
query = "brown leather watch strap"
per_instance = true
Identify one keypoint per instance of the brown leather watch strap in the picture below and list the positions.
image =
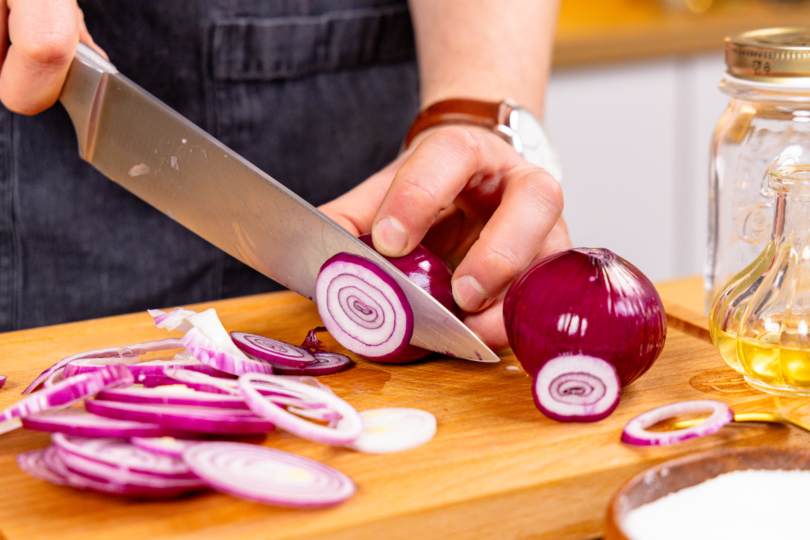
(487, 114)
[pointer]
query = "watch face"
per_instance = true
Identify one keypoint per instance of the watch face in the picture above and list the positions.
(530, 139)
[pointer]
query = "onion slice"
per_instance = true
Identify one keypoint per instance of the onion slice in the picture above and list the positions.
(262, 474)
(33, 462)
(164, 446)
(123, 455)
(324, 363)
(189, 419)
(636, 433)
(69, 391)
(272, 350)
(344, 432)
(80, 423)
(394, 429)
(577, 388)
(363, 308)
(173, 395)
(2, 380)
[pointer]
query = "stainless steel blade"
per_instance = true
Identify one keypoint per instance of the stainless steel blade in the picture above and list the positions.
(151, 150)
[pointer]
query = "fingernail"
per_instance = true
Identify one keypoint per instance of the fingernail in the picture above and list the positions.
(391, 236)
(468, 293)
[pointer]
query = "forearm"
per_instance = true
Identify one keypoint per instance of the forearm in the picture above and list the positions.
(484, 49)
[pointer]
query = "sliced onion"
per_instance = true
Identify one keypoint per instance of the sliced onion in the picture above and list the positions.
(190, 419)
(123, 455)
(80, 423)
(225, 360)
(272, 350)
(394, 429)
(577, 388)
(164, 446)
(636, 433)
(324, 363)
(347, 430)
(363, 308)
(176, 319)
(266, 475)
(129, 352)
(67, 392)
(2, 380)
(174, 395)
(33, 463)
(108, 480)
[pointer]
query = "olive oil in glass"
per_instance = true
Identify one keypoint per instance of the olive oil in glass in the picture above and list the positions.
(760, 321)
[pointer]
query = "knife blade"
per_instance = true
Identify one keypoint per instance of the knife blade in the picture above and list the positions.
(151, 150)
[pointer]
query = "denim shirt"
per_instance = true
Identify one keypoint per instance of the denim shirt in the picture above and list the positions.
(317, 93)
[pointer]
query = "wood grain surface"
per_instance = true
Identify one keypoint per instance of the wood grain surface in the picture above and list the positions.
(497, 468)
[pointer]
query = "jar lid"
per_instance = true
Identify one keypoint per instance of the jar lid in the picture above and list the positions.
(769, 54)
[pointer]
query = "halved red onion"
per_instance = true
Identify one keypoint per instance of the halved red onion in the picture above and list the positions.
(174, 395)
(324, 363)
(262, 474)
(123, 455)
(180, 418)
(363, 308)
(164, 446)
(106, 479)
(33, 463)
(577, 388)
(636, 433)
(272, 350)
(126, 353)
(69, 391)
(80, 423)
(349, 427)
(394, 429)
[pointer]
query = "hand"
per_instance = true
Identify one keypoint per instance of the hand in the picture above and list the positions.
(469, 197)
(43, 35)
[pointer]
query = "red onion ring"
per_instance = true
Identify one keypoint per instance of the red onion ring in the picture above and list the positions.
(127, 352)
(259, 473)
(189, 419)
(324, 363)
(80, 423)
(272, 350)
(224, 360)
(174, 395)
(164, 446)
(636, 433)
(33, 463)
(121, 454)
(348, 430)
(69, 391)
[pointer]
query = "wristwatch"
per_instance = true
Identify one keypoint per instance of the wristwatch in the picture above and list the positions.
(515, 124)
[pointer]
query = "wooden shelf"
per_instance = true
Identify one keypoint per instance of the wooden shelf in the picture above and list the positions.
(599, 31)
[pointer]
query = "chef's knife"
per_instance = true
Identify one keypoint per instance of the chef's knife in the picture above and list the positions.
(163, 158)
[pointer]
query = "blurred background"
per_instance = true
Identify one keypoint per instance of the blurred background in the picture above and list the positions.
(631, 106)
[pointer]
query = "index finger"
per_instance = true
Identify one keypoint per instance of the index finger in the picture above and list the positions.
(43, 35)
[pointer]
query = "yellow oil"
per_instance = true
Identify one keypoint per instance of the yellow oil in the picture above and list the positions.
(727, 345)
(773, 364)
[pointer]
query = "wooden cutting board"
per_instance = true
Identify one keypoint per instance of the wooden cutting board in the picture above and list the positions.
(497, 468)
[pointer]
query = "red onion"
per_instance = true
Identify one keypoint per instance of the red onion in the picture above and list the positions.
(174, 395)
(636, 433)
(179, 418)
(2, 380)
(584, 303)
(81, 423)
(266, 475)
(65, 393)
(33, 463)
(272, 350)
(324, 363)
(164, 446)
(348, 430)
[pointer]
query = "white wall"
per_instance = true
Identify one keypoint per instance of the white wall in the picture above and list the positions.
(634, 143)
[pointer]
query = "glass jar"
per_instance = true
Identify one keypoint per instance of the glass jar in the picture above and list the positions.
(767, 123)
(760, 321)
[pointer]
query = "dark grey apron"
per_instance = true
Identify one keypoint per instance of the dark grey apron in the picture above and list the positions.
(316, 93)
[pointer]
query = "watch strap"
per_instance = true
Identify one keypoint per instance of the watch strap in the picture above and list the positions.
(488, 114)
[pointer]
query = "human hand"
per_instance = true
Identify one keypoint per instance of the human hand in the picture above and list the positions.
(469, 197)
(43, 35)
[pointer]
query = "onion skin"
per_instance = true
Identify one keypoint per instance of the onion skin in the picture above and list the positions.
(587, 302)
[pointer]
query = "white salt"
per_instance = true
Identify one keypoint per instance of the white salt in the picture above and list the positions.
(755, 504)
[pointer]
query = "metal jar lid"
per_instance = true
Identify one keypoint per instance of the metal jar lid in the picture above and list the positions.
(770, 54)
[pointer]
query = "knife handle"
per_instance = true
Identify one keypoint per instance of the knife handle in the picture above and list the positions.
(85, 81)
